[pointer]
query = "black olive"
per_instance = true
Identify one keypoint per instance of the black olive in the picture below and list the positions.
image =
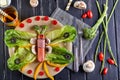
(13, 40)
(67, 56)
(66, 35)
(17, 61)
(46, 49)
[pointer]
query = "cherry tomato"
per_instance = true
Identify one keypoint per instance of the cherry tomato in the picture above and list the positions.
(101, 56)
(57, 69)
(89, 14)
(84, 15)
(54, 22)
(105, 70)
(37, 18)
(21, 25)
(29, 71)
(41, 73)
(29, 20)
(46, 18)
(110, 61)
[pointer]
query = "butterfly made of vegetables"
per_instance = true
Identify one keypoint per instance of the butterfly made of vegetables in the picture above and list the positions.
(23, 53)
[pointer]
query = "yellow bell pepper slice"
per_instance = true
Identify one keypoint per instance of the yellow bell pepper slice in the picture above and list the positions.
(23, 68)
(55, 65)
(47, 72)
(37, 70)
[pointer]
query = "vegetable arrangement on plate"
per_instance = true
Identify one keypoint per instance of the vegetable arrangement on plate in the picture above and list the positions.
(43, 51)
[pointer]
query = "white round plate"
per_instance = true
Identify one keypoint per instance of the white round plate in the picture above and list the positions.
(27, 25)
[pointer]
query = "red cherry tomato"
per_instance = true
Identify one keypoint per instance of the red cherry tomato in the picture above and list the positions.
(54, 22)
(110, 61)
(29, 20)
(37, 18)
(89, 14)
(21, 25)
(46, 18)
(84, 15)
(105, 70)
(57, 69)
(41, 73)
(101, 56)
(29, 71)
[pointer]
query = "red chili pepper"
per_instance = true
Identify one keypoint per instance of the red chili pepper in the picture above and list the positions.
(89, 14)
(84, 15)
(101, 56)
(110, 61)
(105, 70)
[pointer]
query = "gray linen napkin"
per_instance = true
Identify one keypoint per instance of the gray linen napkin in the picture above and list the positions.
(80, 46)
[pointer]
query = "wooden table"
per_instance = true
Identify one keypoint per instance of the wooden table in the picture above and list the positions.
(46, 7)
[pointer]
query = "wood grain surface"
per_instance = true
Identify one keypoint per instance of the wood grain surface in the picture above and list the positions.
(46, 7)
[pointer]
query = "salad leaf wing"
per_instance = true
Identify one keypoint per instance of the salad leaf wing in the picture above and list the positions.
(52, 35)
(18, 42)
(60, 56)
(17, 38)
(66, 34)
(19, 34)
(24, 55)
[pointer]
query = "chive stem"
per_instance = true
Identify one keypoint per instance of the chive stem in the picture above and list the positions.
(96, 52)
(113, 9)
(105, 29)
(104, 50)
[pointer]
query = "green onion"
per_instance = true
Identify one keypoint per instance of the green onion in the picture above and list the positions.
(105, 31)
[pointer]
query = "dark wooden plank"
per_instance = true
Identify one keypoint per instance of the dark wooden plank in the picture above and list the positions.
(90, 56)
(14, 2)
(117, 23)
(74, 11)
(18, 7)
(52, 6)
(62, 3)
(26, 10)
(45, 6)
(48, 6)
(2, 71)
(7, 72)
(113, 71)
(63, 75)
(39, 8)
(78, 75)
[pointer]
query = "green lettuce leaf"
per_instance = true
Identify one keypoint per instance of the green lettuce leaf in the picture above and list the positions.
(21, 57)
(60, 56)
(17, 38)
(66, 34)
(19, 34)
